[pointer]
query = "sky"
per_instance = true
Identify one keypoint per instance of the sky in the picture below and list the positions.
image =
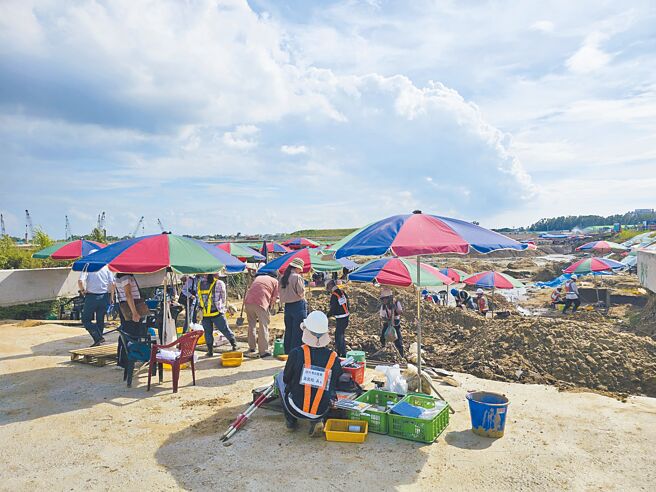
(262, 116)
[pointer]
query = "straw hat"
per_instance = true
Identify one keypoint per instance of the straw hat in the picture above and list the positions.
(385, 292)
(297, 263)
(315, 330)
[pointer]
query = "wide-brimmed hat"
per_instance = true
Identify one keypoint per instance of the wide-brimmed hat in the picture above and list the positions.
(297, 263)
(386, 292)
(315, 330)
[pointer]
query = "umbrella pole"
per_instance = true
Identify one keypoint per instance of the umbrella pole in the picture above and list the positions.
(419, 320)
(163, 335)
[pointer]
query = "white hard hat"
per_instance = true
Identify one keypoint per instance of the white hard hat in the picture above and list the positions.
(574, 277)
(316, 322)
(480, 291)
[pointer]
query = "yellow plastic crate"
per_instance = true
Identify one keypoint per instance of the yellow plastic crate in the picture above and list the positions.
(337, 430)
(232, 359)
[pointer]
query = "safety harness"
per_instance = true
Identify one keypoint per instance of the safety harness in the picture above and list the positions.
(206, 301)
(342, 302)
(311, 407)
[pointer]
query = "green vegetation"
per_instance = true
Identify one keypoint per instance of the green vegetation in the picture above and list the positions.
(13, 256)
(582, 221)
(625, 235)
(322, 233)
(34, 310)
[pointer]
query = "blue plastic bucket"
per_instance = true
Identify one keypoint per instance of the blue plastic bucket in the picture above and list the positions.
(488, 413)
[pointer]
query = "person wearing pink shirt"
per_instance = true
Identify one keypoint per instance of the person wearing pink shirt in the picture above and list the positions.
(260, 298)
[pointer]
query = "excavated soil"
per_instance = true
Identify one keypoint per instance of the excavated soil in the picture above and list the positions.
(584, 350)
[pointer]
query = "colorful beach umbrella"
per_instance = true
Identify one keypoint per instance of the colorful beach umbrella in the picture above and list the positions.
(603, 247)
(241, 251)
(299, 243)
(400, 273)
(454, 274)
(423, 234)
(276, 248)
(313, 260)
(589, 265)
(68, 250)
(493, 280)
(149, 254)
(350, 265)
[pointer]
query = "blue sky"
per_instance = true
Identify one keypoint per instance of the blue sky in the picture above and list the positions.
(265, 116)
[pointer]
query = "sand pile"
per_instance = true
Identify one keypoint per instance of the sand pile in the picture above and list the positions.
(583, 351)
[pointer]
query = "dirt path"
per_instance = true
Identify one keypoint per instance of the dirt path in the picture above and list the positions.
(68, 426)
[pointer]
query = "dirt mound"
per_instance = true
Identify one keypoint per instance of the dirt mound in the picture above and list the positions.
(584, 350)
(644, 323)
(550, 271)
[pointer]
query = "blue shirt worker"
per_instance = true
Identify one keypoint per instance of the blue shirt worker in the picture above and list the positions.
(98, 291)
(212, 296)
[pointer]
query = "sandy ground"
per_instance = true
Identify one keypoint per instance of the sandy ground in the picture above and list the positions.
(70, 426)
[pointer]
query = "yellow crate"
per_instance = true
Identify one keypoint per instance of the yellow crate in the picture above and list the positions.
(337, 430)
(232, 359)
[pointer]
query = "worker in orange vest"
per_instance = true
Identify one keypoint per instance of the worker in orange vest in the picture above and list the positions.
(308, 382)
(339, 308)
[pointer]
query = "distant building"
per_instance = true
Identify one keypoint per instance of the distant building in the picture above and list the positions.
(639, 211)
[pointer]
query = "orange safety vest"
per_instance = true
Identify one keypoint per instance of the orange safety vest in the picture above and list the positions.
(312, 407)
(345, 305)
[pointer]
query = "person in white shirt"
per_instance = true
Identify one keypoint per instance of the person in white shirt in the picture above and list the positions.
(98, 291)
(571, 295)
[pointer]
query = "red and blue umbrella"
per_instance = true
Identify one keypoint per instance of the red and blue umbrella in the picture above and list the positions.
(68, 250)
(299, 243)
(423, 234)
(603, 247)
(454, 274)
(276, 248)
(241, 251)
(493, 280)
(400, 273)
(313, 260)
(590, 265)
(149, 254)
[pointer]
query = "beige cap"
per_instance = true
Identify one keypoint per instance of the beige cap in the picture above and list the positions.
(297, 263)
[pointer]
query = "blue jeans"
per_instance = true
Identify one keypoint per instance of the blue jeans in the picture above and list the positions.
(295, 313)
(95, 304)
(220, 323)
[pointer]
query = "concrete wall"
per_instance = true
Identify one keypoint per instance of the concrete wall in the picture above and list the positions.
(44, 284)
(647, 269)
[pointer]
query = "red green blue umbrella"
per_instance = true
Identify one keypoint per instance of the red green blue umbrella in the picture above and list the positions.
(313, 260)
(276, 248)
(454, 274)
(300, 242)
(68, 250)
(423, 234)
(603, 247)
(149, 254)
(399, 272)
(241, 251)
(589, 265)
(493, 280)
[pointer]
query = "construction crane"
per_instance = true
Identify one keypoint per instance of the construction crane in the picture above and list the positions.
(68, 234)
(101, 224)
(101, 221)
(3, 229)
(139, 225)
(29, 227)
(161, 227)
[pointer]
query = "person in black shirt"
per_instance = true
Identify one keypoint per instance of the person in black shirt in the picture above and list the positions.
(308, 382)
(339, 308)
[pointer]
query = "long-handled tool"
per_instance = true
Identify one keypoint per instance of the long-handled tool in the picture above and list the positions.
(244, 416)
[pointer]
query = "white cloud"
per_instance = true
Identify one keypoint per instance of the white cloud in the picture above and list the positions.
(543, 26)
(293, 149)
(243, 138)
(590, 56)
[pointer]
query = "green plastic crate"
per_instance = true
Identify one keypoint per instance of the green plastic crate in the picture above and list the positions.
(419, 429)
(378, 421)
